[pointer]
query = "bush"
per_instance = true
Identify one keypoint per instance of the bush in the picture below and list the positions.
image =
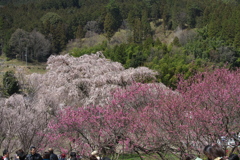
(10, 83)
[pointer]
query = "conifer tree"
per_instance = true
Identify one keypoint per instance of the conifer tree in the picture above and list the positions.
(113, 19)
(109, 25)
(79, 32)
(130, 18)
(236, 42)
(10, 83)
(145, 24)
(137, 31)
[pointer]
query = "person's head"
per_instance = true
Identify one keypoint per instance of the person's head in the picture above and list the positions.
(46, 155)
(190, 157)
(5, 153)
(63, 155)
(33, 150)
(213, 151)
(20, 154)
(233, 157)
(93, 157)
(94, 153)
(50, 150)
(73, 154)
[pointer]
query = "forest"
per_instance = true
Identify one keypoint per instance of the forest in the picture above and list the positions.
(210, 32)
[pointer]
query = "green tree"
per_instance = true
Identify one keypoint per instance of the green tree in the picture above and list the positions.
(120, 54)
(52, 17)
(155, 11)
(145, 25)
(59, 38)
(236, 42)
(79, 32)
(113, 19)
(137, 31)
(176, 42)
(130, 18)
(19, 44)
(109, 25)
(10, 83)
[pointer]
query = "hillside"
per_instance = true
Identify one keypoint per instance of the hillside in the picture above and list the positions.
(170, 36)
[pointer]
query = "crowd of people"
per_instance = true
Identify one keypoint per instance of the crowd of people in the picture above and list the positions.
(47, 155)
(212, 152)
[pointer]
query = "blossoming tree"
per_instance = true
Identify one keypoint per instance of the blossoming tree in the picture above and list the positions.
(87, 80)
(150, 118)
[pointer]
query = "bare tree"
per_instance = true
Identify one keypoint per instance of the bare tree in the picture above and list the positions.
(40, 46)
(27, 46)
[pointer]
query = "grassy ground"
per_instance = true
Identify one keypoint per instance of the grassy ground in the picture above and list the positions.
(13, 65)
(145, 157)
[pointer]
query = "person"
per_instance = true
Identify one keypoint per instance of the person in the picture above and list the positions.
(73, 156)
(33, 154)
(214, 152)
(62, 156)
(5, 154)
(233, 157)
(1, 157)
(52, 155)
(20, 154)
(191, 157)
(93, 157)
(95, 153)
(46, 156)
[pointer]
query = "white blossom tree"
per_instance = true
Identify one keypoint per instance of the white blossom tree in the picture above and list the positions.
(87, 80)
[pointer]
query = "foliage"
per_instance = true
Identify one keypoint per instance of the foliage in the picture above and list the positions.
(77, 52)
(10, 83)
(52, 17)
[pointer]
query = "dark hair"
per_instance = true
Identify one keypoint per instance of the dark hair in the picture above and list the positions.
(213, 151)
(93, 157)
(233, 157)
(190, 157)
(20, 153)
(32, 147)
(73, 154)
(5, 151)
(46, 155)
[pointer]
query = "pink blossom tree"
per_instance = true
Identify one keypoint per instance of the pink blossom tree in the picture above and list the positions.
(213, 99)
(150, 118)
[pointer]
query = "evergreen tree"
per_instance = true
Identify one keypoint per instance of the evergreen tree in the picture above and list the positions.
(155, 12)
(60, 37)
(10, 83)
(120, 54)
(109, 25)
(79, 32)
(130, 18)
(137, 31)
(113, 19)
(145, 24)
(236, 42)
